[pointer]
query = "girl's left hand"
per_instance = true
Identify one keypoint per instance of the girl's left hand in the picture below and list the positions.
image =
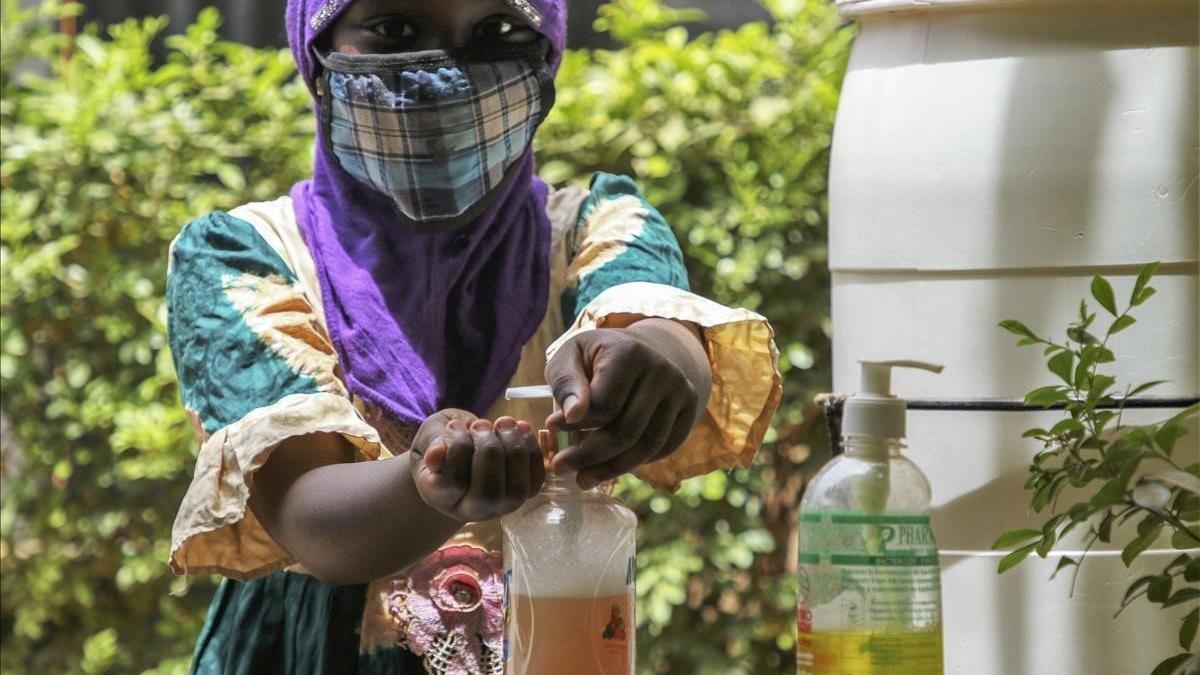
(639, 390)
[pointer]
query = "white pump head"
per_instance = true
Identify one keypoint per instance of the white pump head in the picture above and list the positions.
(873, 411)
(539, 391)
(535, 391)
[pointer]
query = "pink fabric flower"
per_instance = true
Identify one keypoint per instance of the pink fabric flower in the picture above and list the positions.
(453, 597)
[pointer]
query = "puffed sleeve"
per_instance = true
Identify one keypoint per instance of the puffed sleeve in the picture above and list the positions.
(255, 367)
(625, 264)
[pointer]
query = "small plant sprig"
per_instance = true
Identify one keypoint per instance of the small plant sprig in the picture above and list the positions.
(1090, 450)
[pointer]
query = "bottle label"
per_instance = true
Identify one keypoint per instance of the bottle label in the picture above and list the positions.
(869, 595)
(581, 635)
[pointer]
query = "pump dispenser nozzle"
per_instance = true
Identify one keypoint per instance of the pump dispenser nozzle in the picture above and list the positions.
(874, 411)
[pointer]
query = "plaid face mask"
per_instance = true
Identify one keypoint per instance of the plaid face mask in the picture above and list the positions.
(437, 131)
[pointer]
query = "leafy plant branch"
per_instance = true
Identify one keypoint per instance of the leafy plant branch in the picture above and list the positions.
(1092, 451)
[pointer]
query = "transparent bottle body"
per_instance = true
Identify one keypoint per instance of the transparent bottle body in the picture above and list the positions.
(569, 587)
(869, 581)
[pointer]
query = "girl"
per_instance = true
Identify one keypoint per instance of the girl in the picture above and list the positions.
(343, 350)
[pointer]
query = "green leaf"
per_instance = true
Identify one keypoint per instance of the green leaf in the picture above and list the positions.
(1099, 389)
(1017, 328)
(1015, 558)
(1013, 537)
(1149, 522)
(1079, 512)
(1144, 387)
(1043, 495)
(1187, 505)
(1044, 397)
(1186, 413)
(1034, 433)
(1180, 560)
(1173, 665)
(1083, 371)
(1160, 589)
(1181, 596)
(1143, 296)
(1080, 335)
(1136, 587)
(1187, 631)
(1061, 365)
(1045, 545)
(1142, 542)
(1102, 291)
(1124, 321)
(1104, 531)
(231, 176)
(1191, 572)
(1167, 435)
(1065, 426)
(1110, 493)
(1143, 278)
(1070, 526)
(1187, 538)
(1063, 563)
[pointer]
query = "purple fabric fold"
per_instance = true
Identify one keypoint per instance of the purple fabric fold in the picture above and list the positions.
(423, 320)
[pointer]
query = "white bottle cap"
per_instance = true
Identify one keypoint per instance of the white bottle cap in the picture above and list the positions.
(535, 391)
(873, 411)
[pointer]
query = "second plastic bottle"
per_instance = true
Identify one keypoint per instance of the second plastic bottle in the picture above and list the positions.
(869, 581)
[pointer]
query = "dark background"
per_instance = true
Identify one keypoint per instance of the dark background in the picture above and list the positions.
(260, 22)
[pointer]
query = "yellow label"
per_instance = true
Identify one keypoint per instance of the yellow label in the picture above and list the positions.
(870, 653)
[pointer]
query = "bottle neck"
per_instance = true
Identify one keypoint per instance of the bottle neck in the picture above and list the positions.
(561, 483)
(872, 446)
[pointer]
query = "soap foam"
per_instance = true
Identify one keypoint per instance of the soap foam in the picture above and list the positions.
(550, 558)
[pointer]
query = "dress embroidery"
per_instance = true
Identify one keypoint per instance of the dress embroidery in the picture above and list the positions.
(447, 610)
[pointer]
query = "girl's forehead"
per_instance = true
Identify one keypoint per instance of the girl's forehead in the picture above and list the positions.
(527, 9)
(309, 20)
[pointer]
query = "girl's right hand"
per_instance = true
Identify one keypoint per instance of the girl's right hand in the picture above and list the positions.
(473, 470)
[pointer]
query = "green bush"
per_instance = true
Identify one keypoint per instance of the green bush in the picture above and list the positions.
(106, 153)
(103, 160)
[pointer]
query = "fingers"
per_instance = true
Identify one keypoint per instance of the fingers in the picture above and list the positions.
(487, 472)
(460, 450)
(537, 466)
(443, 472)
(486, 469)
(684, 421)
(648, 447)
(622, 436)
(516, 464)
(568, 377)
(435, 456)
(435, 427)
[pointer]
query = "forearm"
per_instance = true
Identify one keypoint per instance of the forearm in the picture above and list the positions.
(683, 344)
(353, 522)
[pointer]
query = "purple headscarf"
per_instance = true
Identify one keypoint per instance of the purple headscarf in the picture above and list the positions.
(424, 320)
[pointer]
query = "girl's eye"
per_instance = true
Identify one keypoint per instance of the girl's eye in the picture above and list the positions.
(504, 28)
(393, 28)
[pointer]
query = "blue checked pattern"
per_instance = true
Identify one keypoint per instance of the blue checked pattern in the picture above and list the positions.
(436, 136)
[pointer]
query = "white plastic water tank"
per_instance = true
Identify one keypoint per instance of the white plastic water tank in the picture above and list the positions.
(989, 157)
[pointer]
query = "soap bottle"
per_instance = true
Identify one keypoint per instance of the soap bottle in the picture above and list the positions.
(869, 580)
(568, 578)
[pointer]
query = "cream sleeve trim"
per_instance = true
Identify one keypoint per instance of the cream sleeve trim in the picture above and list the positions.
(747, 385)
(214, 531)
